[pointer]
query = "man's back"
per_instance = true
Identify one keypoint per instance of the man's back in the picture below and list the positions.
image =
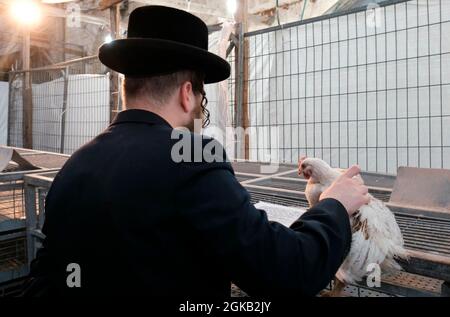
(111, 210)
(138, 222)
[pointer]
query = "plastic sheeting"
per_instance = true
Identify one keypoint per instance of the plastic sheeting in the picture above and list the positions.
(218, 94)
(371, 88)
(4, 87)
(86, 115)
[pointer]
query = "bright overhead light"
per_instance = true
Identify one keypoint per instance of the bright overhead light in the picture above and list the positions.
(25, 12)
(108, 38)
(231, 6)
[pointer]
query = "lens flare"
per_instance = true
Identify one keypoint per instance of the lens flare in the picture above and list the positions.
(25, 12)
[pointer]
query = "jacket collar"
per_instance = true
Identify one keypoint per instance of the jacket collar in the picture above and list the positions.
(139, 116)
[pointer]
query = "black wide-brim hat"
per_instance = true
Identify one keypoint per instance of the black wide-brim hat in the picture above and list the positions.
(163, 40)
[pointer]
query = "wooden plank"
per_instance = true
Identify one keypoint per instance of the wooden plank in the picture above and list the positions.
(45, 44)
(427, 264)
(241, 79)
(242, 12)
(215, 10)
(106, 4)
(434, 258)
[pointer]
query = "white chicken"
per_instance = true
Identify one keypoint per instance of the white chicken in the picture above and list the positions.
(376, 236)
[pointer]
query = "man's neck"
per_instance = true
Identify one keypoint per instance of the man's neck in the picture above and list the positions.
(155, 110)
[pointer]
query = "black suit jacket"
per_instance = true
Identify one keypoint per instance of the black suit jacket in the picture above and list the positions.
(139, 223)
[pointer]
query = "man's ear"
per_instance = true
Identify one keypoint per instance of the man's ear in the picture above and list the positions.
(185, 96)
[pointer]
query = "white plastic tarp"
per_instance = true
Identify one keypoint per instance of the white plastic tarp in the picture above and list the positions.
(4, 87)
(86, 115)
(371, 88)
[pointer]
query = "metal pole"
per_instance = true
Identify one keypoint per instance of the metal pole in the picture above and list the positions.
(64, 109)
(10, 106)
(240, 91)
(31, 221)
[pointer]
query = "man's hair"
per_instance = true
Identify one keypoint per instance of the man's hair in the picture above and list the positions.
(158, 89)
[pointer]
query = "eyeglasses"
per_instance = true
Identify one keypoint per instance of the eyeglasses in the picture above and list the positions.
(205, 111)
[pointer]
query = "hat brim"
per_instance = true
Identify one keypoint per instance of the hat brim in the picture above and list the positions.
(140, 57)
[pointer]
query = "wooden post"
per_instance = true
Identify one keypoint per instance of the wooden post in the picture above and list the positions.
(114, 77)
(27, 96)
(245, 109)
(63, 23)
(241, 63)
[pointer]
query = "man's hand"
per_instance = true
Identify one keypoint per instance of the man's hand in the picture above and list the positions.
(349, 191)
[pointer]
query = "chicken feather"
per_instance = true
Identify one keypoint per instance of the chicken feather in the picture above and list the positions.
(376, 236)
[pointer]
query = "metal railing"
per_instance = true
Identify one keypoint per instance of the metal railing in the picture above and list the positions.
(13, 242)
(36, 189)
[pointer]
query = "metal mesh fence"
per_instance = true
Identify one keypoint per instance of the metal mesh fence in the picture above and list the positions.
(67, 105)
(13, 209)
(232, 88)
(368, 87)
(13, 254)
(11, 200)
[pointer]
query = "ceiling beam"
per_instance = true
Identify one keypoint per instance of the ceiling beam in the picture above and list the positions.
(106, 4)
(57, 12)
(218, 12)
(49, 10)
(266, 6)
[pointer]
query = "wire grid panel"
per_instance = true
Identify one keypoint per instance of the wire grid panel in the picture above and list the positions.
(220, 101)
(369, 87)
(70, 106)
(232, 89)
(231, 108)
(11, 200)
(13, 254)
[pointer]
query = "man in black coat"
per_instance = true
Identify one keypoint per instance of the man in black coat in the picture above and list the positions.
(146, 209)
